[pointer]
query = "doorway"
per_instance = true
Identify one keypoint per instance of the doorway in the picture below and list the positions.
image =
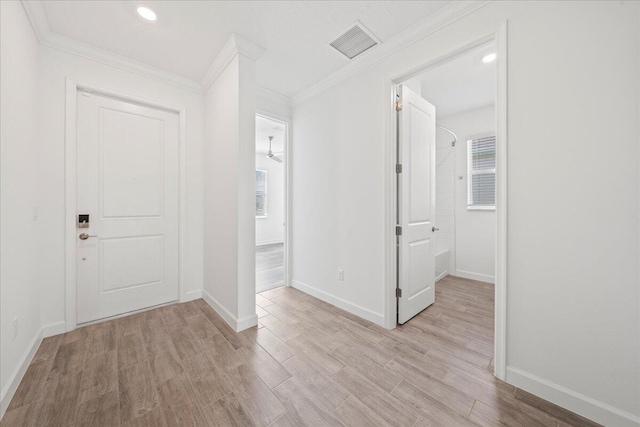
(127, 207)
(465, 156)
(271, 203)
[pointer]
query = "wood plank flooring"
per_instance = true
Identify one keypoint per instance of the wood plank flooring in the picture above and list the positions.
(306, 364)
(269, 266)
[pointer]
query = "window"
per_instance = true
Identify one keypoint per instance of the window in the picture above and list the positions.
(481, 173)
(261, 194)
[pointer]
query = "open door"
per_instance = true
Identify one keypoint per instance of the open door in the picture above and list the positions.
(416, 203)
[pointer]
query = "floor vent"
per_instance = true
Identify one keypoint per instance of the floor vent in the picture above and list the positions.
(354, 41)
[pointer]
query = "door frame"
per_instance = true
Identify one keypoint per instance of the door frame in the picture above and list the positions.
(71, 89)
(499, 36)
(286, 121)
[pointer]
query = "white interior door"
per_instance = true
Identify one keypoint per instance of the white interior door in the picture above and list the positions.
(128, 184)
(416, 204)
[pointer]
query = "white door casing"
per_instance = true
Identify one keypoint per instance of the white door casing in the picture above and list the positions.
(416, 204)
(128, 182)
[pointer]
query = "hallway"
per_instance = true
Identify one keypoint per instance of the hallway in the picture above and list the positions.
(307, 363)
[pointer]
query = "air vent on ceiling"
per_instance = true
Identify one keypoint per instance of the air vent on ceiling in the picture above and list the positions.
(354, 41)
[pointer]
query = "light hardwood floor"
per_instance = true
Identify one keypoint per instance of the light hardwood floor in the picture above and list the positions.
(269, 266)
(307, 363)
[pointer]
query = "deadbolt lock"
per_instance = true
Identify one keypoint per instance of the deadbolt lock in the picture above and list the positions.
(83, 221)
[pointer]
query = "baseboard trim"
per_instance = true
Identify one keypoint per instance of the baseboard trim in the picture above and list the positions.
(247, 322)
(220, 309)
(269, 242)
(192, 295)
(443, 275)
(571, 400)
(475, 276)
(235, 323)
(18, 373)
(52, 329)
(365, 313)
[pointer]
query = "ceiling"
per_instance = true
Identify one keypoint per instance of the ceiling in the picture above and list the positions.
(463, 84)
(187, 35)
(266, 128)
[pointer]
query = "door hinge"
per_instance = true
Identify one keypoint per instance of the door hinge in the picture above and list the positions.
(398, 293)
(398, 230)
(398, 168)
(398, 106)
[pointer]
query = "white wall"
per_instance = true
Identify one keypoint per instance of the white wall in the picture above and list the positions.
(445, 238)
(338, 196)
(271, 229)
(475, 230)
(58, 65)
(229, 226)
(221, 199)
(573, 191)
(246, 144)
(20, 192)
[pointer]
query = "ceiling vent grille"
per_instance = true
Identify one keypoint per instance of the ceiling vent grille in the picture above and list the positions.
(354, 41)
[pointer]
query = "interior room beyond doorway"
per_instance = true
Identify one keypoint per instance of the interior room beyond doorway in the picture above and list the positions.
(456, 104)
(270, 203)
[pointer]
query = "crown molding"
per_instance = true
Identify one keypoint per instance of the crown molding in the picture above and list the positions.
(272, 104)
(235, 45)
(38, 20)
(238, 45)
(268, 94)
(440, 19)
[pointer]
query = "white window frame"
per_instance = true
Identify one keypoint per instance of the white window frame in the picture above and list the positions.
(265, 195)
(471, 173)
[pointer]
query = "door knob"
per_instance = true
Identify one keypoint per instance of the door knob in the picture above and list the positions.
(432, 229)
(85, 236)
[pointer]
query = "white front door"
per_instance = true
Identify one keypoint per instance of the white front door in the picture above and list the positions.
(128, 184)
(416, 204)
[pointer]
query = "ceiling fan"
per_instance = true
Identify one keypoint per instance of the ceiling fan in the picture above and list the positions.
(270, 153)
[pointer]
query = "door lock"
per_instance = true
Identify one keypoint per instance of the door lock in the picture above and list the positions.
(85, 236)
(434, 229)
(83, 221)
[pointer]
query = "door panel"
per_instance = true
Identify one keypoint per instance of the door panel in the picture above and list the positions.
(132, 159)
(418, 269)
(418, 173)
(128, 183)
(130, 262)
(416, 204)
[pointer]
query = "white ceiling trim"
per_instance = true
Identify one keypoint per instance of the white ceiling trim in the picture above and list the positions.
(273, 96)
(272, 104)
(236, 45)
(440, 19)
(38, 19)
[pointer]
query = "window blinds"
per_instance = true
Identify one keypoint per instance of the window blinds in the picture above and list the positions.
(481, 173)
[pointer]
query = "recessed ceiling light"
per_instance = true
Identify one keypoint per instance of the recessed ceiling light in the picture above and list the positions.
(489, 58)
(147, 13)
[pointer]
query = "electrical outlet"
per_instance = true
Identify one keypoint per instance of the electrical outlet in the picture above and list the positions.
(341, 275)
(15, 327)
